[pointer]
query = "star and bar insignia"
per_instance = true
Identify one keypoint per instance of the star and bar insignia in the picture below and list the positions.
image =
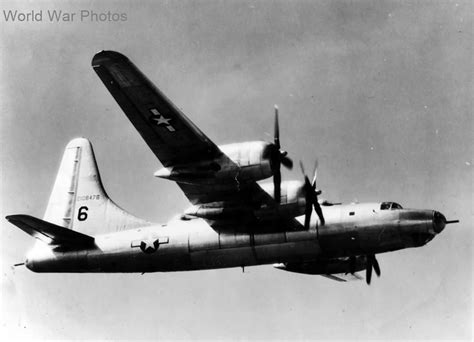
(161, 120)
(149, 246)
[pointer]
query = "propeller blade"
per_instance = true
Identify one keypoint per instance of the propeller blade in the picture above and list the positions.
(277, 158)
(376, 266)
(287, 162)
(308, 198)
(318, 210)
(277, 184)
(307, 215)
(315, 173)
(302, 169)
(368, 274)
(317, 207)
(277, 130)
(311, 199)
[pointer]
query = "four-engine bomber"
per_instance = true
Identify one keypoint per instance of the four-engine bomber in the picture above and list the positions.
(233, 221)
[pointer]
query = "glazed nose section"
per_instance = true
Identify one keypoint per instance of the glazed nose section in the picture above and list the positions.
(439, 222)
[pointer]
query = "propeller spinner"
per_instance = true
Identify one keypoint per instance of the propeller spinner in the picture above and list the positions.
(278, 157)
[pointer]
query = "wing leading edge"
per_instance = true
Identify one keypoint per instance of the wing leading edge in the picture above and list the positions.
(172, 137)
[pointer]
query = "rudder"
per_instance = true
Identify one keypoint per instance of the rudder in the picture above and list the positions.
(78, 200)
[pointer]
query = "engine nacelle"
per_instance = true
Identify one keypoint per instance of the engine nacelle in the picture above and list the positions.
(292, 203)
(326, 266)
(252, 159)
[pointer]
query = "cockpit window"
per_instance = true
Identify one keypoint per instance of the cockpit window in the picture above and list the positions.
(390, 206)
(396, 206)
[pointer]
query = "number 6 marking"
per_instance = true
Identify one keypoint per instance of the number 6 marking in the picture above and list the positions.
(82, 214)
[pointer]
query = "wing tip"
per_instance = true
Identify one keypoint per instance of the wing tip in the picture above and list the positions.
(11, 218)
(106, 56)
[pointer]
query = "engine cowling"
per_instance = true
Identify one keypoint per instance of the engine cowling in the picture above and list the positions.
(253, 159)
(292, 201)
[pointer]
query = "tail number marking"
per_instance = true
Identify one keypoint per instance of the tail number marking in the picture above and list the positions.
(82, 214)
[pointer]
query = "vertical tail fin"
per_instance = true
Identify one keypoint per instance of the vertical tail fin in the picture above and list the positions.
(78, 200)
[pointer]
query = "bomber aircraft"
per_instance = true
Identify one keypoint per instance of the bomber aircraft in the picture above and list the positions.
(233, 221)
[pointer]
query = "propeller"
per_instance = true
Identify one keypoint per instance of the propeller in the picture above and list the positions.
(371, 263)
(277, 158)
(311, 197)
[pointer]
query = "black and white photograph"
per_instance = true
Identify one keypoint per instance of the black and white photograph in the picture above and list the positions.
(236, 170)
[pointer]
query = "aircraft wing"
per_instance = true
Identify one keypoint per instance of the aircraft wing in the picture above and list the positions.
(177, 142)
(172, 137)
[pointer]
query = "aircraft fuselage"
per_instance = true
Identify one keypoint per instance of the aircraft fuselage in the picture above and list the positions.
(181, 245)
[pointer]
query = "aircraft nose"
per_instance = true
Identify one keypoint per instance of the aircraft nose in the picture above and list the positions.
(439, 222)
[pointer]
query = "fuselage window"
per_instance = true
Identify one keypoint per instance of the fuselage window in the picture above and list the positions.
(352, 213)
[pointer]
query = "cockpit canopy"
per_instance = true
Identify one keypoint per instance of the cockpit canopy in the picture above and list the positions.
(390, 206)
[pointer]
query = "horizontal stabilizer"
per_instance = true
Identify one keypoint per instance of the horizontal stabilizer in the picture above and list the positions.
(48, 232)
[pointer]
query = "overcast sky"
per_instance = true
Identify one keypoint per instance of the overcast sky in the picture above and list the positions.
(380, 92)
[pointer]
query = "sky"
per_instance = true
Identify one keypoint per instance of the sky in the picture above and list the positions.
(379, 91)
